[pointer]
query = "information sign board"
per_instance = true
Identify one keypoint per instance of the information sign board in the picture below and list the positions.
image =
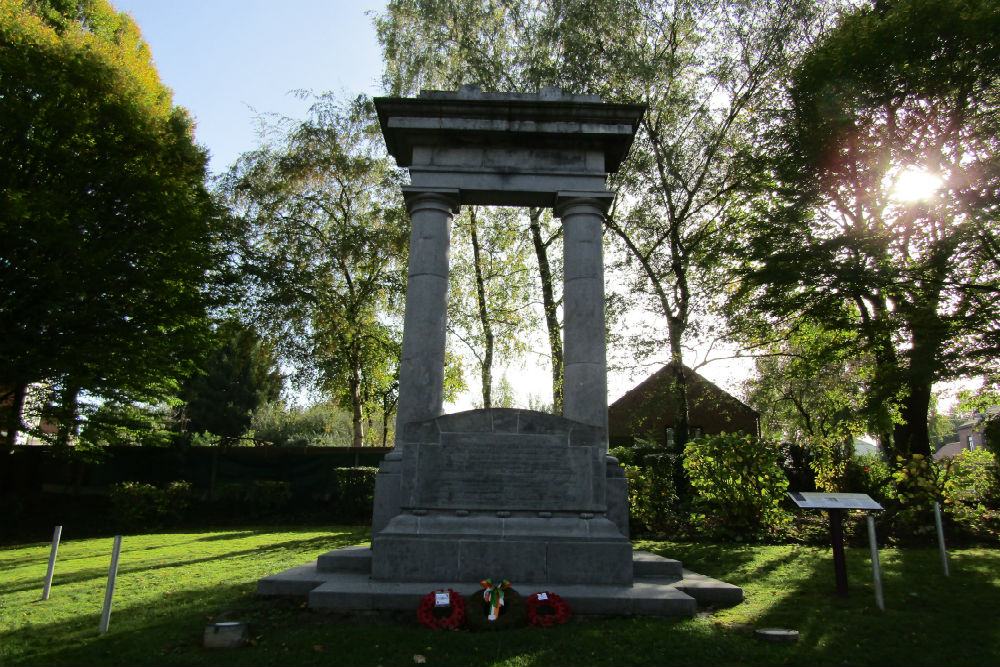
(833, 501)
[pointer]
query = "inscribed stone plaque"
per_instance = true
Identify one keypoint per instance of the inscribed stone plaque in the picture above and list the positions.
(521, 473)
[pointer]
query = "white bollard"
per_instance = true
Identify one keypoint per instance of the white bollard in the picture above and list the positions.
(940, 534)
(56, 535)
(109, 592)
(876, 567)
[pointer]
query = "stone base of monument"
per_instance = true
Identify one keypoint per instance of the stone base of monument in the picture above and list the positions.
(341, 581)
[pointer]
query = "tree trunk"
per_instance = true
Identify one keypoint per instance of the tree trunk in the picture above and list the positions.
(912, 436)
(549, 305)
(484, 320)
(678, 393)
(13, 421)
(68, 421)
(356, 413)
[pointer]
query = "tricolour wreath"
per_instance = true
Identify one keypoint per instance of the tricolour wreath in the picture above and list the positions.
(546, 609)
(442, 617)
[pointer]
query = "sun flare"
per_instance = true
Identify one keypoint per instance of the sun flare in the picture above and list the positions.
(915, 184)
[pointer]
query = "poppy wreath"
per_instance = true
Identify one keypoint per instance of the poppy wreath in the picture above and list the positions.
(433, 617)
(544, 613)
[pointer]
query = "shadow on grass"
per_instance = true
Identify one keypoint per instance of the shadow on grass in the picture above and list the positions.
(320, 544)
(929, 620)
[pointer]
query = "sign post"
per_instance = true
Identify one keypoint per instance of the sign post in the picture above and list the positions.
(56, 534)
(835, 504)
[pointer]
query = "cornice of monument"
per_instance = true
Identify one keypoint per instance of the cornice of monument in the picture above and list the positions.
(549, 119)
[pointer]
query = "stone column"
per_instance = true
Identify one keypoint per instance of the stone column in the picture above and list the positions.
(585, 375)
(421, 368)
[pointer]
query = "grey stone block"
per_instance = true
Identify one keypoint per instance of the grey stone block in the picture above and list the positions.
(412, 559)
(709, 592)
(424, 431)
(469, 421)
(648, 565)
(617, 501)
(585, 394)
(348, 559)
(506, 420)
(297, 581)
(501, 559)
(585, 435)
(386, 504)
(590, 562)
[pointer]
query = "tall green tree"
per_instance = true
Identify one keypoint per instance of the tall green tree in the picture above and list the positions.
(239, 375)
(882, 218)
(107, 232)
(325, 251)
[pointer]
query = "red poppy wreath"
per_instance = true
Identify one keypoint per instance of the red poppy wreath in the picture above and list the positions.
(546, 609)
(439, 616)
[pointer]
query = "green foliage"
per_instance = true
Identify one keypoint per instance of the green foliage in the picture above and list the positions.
(324, 252)
(972, 493)
(239, 375)
(355, 492)
(652, 500)
(259, 499)
(871, 475)
(830, 459)
(991, 435)
(140, 506)
(920, 482)
(808, 386)
(739, 485)
(116, 425)
(320, 425)
(109, 241)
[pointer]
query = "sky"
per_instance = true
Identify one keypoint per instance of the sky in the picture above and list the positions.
(228, 62)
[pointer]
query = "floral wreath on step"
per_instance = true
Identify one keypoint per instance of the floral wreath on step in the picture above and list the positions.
(546, 609)
(432, 615)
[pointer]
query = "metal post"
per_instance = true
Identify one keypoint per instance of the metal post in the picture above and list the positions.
(876, 568)
(56, 534)
(837, 541)
(109, 592)
(940, 536)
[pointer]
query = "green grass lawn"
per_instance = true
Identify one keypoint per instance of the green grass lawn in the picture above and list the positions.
(170, 585)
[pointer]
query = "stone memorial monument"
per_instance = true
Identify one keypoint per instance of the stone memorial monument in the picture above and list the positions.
(517, 494)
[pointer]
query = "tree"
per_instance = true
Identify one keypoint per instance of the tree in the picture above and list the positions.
(882, 218)
(238, 376)
(107, 233)
(490, 290)
(325, 251)
(807, 391)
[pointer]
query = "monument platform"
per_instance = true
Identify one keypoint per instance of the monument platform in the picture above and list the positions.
(341, 581)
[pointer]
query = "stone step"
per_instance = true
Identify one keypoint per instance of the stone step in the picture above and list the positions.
(340, 581)
(646, 564)
(296, 582)
(357, 558)
(709, 592)
(349, 592)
